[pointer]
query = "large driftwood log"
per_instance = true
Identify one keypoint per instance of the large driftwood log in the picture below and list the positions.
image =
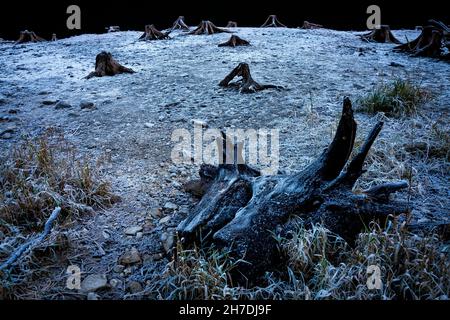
(207, 27)
(179, 24)
(28, 36)
(243, 211)
(381, 35)
(105, 65)
(151, 33)
(430, 42)
(234, 41)
(272, 22)
(246, 84)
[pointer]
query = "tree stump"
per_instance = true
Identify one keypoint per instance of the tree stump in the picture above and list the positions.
(272, 22)
(429, 43)
(54, 38)
(207, 27)
(244, 212)
(179, 24)
(246, 84)
(112, 29)
(381, 35)
(232, 24)
(310, 25)
(151, 33)
(235, 41)
(105, 65)
(29, 36)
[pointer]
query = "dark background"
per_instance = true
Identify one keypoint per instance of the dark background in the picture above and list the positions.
(46, 17)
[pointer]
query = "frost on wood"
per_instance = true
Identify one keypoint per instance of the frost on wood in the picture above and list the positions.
(242, 211)
(29, 36)
(430, 43)
(207, 27)
(381, 35)
(310, 25)
(179, 24)
(234, 41)
(272, 22)
(151, 33)
(105, 65)
(231, 24)
(246, 84)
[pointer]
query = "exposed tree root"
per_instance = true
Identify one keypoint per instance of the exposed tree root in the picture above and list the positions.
(272, 22)
(310, 25)
(151, 33)
(105, 65)
(231, 24)
(234, 41)
(381, 35)
(207, 27)
(179, 24)
(29, 36)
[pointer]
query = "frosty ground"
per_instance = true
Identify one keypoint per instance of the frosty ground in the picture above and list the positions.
(176, 82)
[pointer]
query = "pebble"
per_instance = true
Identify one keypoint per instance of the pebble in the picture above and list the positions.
(87, 105)
(92, 296)
(170, 206)
(93, 282)
(165, 220)
(130, 257)
(62, 105)
(132, 231)
(134, 287)
(167, 240)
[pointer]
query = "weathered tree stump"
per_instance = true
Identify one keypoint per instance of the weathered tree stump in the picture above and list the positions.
(179, 24)
(29, 36)
(246, 84)
(151, 33)
(430, 42)
(105, 65)
(231, 24)
(272, 22)
(207, 27)
(310, 25)
(243, 211)
(54, 38)
(381, 35)
(234, 41)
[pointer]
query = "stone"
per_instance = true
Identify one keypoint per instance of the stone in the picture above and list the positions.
(62, 105)
(132, 231)
(165, 220)
(170, 206)
(149, 125)
(92, 296)
(93, 282)
(119, 268)
(168, 241)
(134, 287)
(87, 105)
(130, 257)
(115, 283)
(49, 102)
(154, 213)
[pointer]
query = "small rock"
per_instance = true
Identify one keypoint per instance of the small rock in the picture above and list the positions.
(139, 235)
(119, 268)
(149, 125)
(87, 105)
(170, 206)
(49, 102)
(154, 213)
(134, 287)
(167, 240)
(131, 231)
(93, 282)
(92, 296)
(62, 105)
(165, 220)
(130, 257)
(396, 64)
(114, 283)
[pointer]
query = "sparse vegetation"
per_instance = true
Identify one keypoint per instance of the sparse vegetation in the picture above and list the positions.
(321, 266)
(397, 99)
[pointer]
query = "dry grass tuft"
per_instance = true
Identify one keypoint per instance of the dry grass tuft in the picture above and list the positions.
(397, 99)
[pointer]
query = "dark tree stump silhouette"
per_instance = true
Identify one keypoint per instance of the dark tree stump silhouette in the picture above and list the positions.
(310, 25)
(29, 36)
(430, 43)
(207, 27)
(151, 33)
(235, 41)
(105, 65)
(381, 35)
(272, 22)
(179, 24)
(246, 84)
(244, 212)
(231, 24)
(54, 38)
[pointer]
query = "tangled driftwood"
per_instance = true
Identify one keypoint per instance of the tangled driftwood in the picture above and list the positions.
(105, 65)
(272, 22)
(179, 24)
(151, 33)
(231, 24)
(430, 43)
(246, 84)
(207, 27)
(29, 36)
(310, 25)
(382, 35)
(234, 41)
(244, 212)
